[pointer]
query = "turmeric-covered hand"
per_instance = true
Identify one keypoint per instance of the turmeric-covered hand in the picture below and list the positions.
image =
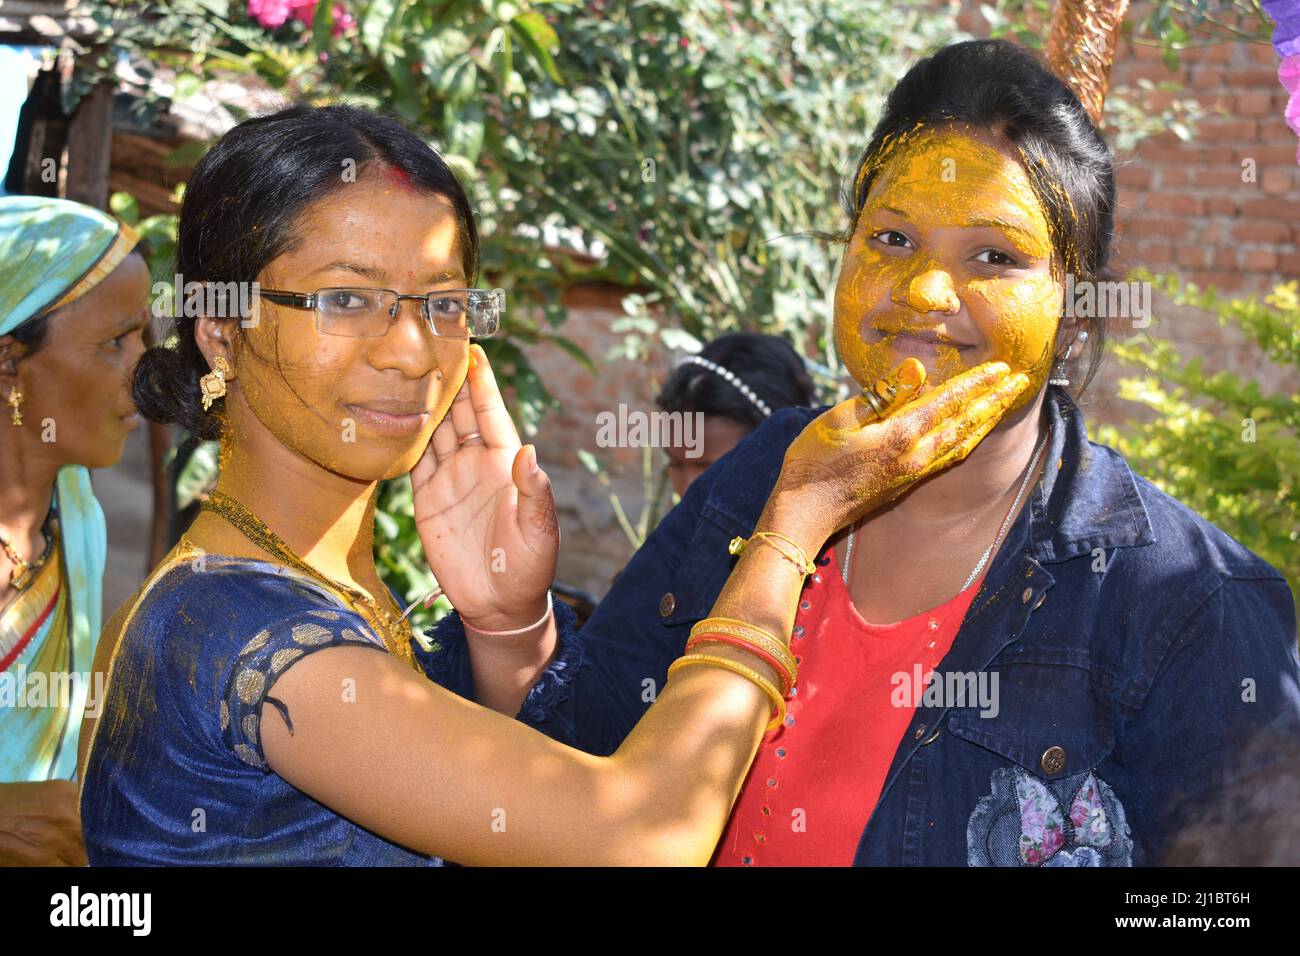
(848, 462)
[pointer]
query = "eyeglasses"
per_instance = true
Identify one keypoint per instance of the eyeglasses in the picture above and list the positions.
(370, 313)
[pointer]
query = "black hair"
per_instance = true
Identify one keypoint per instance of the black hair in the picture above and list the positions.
(767, 364)
(32, 333)
(997, 85)
(240, 210)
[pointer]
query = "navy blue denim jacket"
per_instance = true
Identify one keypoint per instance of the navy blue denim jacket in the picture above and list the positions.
(1136, 645)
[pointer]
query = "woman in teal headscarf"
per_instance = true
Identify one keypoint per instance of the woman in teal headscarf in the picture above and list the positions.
(73, 305)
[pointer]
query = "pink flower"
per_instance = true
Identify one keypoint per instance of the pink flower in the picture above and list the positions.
(343, 21)
(273, 14)
(1289, 74)
(303, 10)
(269, 13)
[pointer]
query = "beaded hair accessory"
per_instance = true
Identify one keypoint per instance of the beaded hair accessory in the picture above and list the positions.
(731, 377)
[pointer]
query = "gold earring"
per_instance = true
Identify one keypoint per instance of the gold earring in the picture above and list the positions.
(15, 401)
(213, 385)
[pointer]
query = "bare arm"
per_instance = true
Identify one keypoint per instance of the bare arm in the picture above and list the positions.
(434, 772)
(441, 775)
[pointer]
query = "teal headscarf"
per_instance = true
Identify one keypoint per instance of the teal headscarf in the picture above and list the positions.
(52, 251)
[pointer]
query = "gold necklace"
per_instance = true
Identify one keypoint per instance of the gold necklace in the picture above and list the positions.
(393, 630)
(23, 573)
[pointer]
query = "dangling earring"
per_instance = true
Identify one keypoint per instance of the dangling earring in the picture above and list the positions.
(15, 400)
(213, 385)
(1060, 376)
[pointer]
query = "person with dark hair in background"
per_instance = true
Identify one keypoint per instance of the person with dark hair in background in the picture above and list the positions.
(266, 699)
(73, 304)
(736, 382)
(1033, 657)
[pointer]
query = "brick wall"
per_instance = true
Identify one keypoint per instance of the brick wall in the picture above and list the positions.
(1183, 208)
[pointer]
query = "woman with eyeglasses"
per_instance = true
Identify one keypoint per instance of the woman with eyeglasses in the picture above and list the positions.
(266, 702)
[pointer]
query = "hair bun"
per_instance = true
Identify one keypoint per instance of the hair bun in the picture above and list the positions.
(165, 387)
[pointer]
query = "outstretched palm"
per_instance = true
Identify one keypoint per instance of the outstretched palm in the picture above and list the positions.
(484, 510)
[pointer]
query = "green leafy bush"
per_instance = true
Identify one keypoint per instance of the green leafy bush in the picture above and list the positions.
(1217, 442)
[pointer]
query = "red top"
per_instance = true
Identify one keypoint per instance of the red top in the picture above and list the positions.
(816, 779)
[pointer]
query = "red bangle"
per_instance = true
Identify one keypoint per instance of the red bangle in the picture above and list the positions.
(787, 682)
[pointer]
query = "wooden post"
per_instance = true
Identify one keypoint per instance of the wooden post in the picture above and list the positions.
(90, 135)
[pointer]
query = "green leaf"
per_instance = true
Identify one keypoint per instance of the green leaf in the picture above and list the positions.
(539, 39)
(187, 86)
(322, 25)
(125, 207)
(373, 21)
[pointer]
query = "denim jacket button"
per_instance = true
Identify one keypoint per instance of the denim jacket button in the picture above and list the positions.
(1053, 759)
(1041, 598)
(667, 604)
(1024, 598)
(920, 732)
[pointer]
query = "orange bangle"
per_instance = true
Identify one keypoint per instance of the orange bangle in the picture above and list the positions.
(787, 678)
(778, 702)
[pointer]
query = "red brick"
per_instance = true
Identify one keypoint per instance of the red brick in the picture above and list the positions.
(1193, 256)
(1223, 281)
(1218, 179)
(1280, 182)
(1288, 263)
(1157, 252)
(1254, 104)
(1158, 100)
(1203, 79)
(1144, 52)
(1155, 226)
(1237, 131)
(1219, 53)
(1261, 53)
(1178, 204)
(1218, 156)
(1155, 72)
(1272, 155)
(1272, 210)
(1133, 176)
(1221, 206)
(1161, 152)
(1224, 258)
(1248, 77)
(1261, 232)
(1170, 176)
(1259, 260)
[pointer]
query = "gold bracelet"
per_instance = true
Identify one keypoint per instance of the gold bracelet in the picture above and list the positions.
(778, 702)
(738, 545)
(756, 636)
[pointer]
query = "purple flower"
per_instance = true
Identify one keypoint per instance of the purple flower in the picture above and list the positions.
(1286, 34)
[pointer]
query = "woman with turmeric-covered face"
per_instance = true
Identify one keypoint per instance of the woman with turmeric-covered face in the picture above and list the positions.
(265, 700)
(1029, 656)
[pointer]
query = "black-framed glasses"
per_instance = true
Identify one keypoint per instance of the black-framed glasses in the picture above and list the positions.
(370, 313)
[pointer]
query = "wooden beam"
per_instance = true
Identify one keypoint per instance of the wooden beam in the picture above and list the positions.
(90, 137)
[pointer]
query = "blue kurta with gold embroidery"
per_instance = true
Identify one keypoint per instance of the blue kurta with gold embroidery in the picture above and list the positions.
(176, 774)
